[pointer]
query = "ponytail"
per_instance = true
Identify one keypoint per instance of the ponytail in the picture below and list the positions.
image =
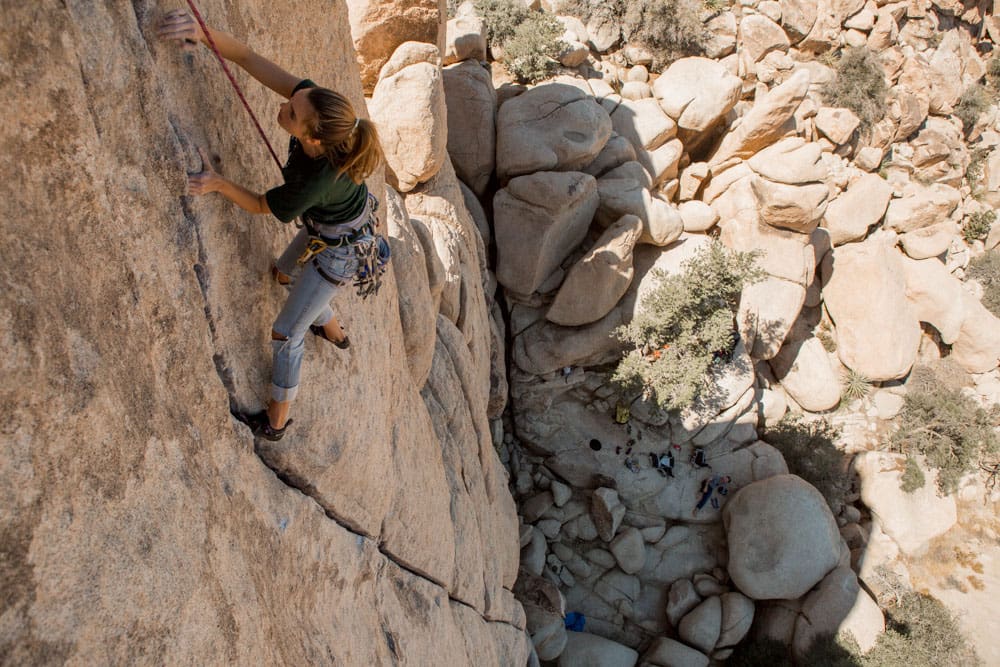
(350, 143)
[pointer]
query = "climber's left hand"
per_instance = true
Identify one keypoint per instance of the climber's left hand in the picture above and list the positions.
(205, 181)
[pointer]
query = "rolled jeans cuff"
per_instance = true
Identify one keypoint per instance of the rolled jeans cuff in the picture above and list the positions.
(283, 394)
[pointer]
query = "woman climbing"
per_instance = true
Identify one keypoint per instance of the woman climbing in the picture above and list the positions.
(331, 151)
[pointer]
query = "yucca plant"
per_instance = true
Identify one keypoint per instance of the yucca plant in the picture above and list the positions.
(856, 385)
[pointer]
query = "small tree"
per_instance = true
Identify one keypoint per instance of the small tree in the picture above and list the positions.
(950, 429)
(531, 53)
(501, 18)
(974, 101)
(685, 325)
(986, 270)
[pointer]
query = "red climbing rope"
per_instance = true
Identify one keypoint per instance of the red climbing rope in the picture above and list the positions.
(232, 79)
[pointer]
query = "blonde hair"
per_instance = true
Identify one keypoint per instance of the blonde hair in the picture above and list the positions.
(351, 143)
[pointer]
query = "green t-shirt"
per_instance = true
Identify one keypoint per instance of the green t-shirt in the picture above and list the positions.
(313, 188)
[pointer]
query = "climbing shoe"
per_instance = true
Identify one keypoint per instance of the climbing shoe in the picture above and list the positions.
(319, 331)
(260, 425)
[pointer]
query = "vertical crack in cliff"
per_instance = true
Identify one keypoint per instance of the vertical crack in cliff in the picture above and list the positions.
(202, 273)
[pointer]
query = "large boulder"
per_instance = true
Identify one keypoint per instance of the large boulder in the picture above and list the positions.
(760, 35)
(864, 289)
(977, 347)
(650, 131)
(472, 107)
(625, 190)
(930, 241)
(795, 207)
(552, 127)
(792, 161)
(465, 36)
(768, 309)
(803, 367)
(849, 216)
(838, 606)
(539, 219)
(379, 27)
(599, 279)
(910, 519)
(766, 121)
(936, 295)
(587, 650)
(666, 652)
(781, 253)
(701, 626)
(696, 92)
(737, 617)
(920, 206)
(797, 17)
(782, 538)
(408, 106)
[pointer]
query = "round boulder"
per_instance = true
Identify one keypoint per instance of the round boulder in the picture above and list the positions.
(782, 538)
(586, 650)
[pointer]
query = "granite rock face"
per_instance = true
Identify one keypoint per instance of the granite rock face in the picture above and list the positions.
(139, 522)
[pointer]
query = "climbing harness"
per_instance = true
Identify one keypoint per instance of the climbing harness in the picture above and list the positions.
(232, 79)
(370, 248)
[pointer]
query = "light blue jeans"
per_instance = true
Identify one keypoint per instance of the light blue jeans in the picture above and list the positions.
(308, 303)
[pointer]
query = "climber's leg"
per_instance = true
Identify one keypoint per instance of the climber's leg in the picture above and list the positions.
(308, 300)
(286, 267)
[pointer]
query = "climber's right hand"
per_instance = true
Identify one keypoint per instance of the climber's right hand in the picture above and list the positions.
(179, 25)
(205, 181)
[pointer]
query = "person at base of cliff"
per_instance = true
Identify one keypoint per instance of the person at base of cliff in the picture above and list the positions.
(709, 486)
(331, 151)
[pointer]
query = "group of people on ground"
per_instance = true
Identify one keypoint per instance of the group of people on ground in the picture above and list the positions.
(710, 486)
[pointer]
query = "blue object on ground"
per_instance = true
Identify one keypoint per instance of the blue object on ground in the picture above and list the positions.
(575, 621)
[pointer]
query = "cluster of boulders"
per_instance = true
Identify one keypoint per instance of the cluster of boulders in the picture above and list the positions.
(605, 177)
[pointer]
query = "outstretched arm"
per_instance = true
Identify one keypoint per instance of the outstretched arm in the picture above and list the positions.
(208, 180)
(182, 27)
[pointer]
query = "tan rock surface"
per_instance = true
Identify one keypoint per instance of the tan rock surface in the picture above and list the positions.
(598, 279)
(766, 121)
(378, 27)
(539, 220)
(864, 290)
(408, 106)
(782, 538)
(910, 519)
(139, 523)
(472, 108)
(696, 92)
(552, 127)
(849, 216)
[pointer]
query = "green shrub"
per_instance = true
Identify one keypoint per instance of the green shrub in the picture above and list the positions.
(950, 429)
(986, 270)
(993, 71)
(913, 477)
(686, 323)
(977, 227)
(920, 631)
(670, 29)
(974, 171)
(859, 85)
(501, 18)
(531, 54)
(811, 453)
(974, 101)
